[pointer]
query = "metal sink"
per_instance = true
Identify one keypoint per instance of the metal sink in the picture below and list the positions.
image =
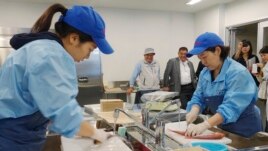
(143, 140)
(172, 117)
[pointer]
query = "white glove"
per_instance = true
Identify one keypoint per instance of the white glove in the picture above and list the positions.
(100, 135)
(197, 129)
(192, 115)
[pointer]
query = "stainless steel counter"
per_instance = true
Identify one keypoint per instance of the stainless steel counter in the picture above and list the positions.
(241, 143)
(259, 141)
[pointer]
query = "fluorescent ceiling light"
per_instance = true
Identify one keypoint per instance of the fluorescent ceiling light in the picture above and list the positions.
(192, 2)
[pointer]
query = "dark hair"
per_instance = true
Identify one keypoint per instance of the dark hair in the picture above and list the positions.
(224, 51)
(264, 49)
(246, 43)
(63, 29)
(183, 48)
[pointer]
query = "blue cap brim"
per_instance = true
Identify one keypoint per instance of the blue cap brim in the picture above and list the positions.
(195, 51)
(103, 45)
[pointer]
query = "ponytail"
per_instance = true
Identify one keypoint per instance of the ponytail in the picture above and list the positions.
(44, 21)
(61, 28)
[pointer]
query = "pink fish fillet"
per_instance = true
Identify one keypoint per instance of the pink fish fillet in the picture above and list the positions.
(215, 135)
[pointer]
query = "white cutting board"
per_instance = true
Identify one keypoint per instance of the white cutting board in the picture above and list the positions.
(182, 140)
(86, 144)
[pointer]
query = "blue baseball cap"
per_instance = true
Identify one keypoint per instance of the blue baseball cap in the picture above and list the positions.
(205, 41)
(88, 21)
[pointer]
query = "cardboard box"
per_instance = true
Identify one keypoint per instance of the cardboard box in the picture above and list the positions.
(107, 105)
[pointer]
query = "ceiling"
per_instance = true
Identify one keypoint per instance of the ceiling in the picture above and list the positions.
(162, 5)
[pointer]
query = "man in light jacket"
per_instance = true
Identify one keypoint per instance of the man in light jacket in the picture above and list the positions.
(180, 76)
(146, 74)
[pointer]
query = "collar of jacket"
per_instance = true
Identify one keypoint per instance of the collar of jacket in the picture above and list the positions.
(145, 62)
(221, 76)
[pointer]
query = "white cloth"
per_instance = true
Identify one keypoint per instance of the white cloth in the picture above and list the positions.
(265, 72)
(185, 73)
(100, 135)
(265, 77)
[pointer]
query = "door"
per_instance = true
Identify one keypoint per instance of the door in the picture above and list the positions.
(262, 35)
(231, 40)
(243, 32)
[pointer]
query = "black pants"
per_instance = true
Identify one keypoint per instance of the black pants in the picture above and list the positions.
(186, 94)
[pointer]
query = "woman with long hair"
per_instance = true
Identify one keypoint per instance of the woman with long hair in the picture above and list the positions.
(245, 56)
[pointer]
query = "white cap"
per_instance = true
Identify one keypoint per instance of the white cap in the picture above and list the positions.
(149, 51)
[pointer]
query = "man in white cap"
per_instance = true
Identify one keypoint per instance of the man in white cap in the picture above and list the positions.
(146, 74)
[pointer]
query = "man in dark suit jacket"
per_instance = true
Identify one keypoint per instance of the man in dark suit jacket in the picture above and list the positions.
(180, 77)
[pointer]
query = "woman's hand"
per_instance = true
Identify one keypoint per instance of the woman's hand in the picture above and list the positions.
(197, 129)
(237, 54)
(165, 89)
(260, 65)
(192, 115)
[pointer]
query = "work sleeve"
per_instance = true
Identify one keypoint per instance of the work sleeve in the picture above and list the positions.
(241, 90)
(53, 86)
(135, 74)
(197, 98)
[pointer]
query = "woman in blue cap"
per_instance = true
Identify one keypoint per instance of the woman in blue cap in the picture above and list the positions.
(38, 80)
(226, 87)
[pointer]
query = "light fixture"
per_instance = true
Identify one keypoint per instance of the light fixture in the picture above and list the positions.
(192, 2)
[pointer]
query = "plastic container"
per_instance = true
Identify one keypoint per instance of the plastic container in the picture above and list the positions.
(122, 131)
(210, 146)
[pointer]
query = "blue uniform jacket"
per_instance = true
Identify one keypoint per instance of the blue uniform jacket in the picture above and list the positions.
(234, 83)
(41, 76)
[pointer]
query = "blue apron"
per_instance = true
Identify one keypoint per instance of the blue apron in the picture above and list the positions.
(248, 123)
(25, 133)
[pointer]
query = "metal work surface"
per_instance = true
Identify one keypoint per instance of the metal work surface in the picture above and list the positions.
(259, 140)
(148, 140)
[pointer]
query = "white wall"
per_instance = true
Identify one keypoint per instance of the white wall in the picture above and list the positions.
(128, 31)
(15, 14)
(131, 31)
(217, 18)
(207, 21)
(244, 11)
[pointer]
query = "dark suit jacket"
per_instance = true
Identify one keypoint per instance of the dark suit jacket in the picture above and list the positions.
(172, 76)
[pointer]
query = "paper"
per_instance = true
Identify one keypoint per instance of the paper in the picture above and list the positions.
(254, 68)
(181, 126)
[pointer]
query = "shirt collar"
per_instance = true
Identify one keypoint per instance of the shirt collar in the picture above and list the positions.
(145, 62)
(222, 73)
